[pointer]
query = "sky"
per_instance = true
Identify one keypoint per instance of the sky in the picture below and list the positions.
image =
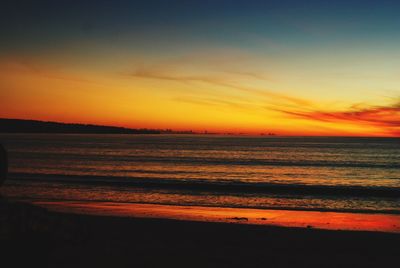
(287, 67)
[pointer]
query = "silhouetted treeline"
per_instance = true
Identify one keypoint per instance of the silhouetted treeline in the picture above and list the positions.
(34, 126)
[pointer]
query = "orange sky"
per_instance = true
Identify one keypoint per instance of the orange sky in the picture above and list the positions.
(244, 68)
(177, 94)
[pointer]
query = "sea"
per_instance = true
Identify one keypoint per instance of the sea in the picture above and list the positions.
(346, 174)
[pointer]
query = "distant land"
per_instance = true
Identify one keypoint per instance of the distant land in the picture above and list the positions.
(10, 125)
(35, 126)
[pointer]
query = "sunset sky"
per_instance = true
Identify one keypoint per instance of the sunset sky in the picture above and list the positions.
(289, 67)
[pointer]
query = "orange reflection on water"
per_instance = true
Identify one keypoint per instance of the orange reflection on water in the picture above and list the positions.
(287, 218)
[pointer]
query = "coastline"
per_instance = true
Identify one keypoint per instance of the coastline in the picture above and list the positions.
(283, 218)
(82, 240)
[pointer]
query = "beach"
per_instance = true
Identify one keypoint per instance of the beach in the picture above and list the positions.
(81, 240)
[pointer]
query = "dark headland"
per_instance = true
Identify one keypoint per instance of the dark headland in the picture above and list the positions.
(35, 126)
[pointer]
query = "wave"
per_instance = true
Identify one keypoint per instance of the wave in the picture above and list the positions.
(221, 186)
(318, 209)
(187, 160)
(260, 162)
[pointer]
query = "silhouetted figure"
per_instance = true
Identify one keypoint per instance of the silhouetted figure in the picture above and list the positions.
(3, 164)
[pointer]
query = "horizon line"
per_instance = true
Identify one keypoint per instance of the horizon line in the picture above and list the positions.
(193, 132)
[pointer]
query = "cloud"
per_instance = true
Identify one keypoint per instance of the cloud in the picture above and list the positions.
(35, 68)
(386, 118)
(253, 75)
(228, 81)
(216, 102)
(162, 75)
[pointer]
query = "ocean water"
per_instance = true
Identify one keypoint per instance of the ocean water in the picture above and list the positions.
(300, 173)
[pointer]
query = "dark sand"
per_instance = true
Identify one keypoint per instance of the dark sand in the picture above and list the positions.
(70, 240)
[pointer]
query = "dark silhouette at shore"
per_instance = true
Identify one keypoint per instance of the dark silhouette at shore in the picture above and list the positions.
(34, 126)
(3, 164)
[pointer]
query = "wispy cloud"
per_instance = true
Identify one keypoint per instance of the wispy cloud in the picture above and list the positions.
(26, 66)
(386, 118)
(215, 102)
(227, 81)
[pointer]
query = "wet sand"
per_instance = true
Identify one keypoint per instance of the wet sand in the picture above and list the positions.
(284, 218)
(81, 240)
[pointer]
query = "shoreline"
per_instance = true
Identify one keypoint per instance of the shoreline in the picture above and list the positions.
(377, 222)
(352, 211)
